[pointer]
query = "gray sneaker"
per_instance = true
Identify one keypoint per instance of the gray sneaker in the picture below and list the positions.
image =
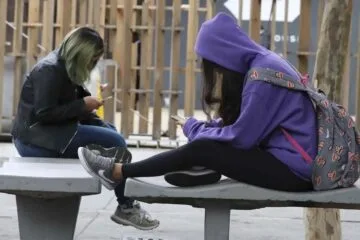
(118, 153)
(134, 216)
(98, 166)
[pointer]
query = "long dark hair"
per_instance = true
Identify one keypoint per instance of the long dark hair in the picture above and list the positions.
(229, 103)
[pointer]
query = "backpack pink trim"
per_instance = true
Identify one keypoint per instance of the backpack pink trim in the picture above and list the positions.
(297, 146)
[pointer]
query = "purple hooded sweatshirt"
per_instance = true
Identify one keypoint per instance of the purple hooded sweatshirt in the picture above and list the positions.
(265, 107)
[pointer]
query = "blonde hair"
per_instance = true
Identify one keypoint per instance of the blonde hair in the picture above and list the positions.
(81, 49)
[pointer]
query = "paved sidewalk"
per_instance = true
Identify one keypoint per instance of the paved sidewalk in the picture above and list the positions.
(177, 222)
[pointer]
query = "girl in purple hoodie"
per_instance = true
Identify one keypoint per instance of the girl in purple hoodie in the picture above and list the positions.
(246, 143)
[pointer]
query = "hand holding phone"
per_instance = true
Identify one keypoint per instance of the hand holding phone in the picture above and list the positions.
(92, 103)
(179, 119)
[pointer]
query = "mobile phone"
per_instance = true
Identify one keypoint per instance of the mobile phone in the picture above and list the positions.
(178, 118)
(107, 98)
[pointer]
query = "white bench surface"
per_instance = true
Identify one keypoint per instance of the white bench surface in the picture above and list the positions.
(240, 195)
(46, 175)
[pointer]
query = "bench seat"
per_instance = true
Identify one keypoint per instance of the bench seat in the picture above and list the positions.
(218, 199)
(48, 194)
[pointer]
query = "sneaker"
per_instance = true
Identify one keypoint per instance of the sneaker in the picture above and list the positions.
(98, 166)
(114, 152)
(134, 216)
(193, 177)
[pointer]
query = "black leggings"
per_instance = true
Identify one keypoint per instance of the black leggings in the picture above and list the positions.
(256, 167)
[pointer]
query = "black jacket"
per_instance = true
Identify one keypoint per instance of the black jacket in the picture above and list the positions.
(51, 106)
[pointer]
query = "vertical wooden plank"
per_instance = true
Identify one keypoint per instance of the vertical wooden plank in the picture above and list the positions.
(126, 67)
(135, 21)
(304, 39)
(3, 11)
(175, 63)
(17, 51)
(73, 14)
(255, 22)
(209, 14)
(190, 75)
(210, 5)
(240, 10)
(150, 54)
(48, 26)
(109, 106)
(112, 16)
(146, 40)
(82, 12)
(102, 18)
(273, 26)
(96, 11)
(112, 21)
(286, 29)
(33, 33)
(90, 12)
(118, 55)
(159, 67)
(63, 20)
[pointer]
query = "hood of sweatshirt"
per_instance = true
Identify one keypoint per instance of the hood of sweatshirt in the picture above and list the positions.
(223, 41)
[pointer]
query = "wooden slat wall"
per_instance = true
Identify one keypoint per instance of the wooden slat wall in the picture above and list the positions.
(116, 21)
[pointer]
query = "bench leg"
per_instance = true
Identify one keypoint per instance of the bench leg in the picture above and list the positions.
(42, 219)
(217, 222)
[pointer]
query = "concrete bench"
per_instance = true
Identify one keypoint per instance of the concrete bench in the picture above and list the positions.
(48, 194)
(218, 199)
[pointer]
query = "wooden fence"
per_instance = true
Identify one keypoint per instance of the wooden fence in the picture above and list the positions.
(146, 90)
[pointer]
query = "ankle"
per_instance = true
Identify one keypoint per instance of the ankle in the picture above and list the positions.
(117, 171)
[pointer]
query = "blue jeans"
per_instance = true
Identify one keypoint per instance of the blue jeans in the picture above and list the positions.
(86, 134)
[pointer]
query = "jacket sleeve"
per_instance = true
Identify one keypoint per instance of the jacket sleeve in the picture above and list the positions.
(214, 122)
(46, 85)
(257, 113)
(92, 119)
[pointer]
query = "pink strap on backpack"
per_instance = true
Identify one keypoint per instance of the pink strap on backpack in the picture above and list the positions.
(297, 146)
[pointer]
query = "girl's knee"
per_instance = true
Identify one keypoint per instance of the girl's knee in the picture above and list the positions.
(117, 140)
(121, 141)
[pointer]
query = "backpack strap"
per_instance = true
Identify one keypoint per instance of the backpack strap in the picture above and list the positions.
(277, 78)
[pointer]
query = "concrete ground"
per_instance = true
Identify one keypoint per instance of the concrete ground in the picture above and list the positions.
(177, 222)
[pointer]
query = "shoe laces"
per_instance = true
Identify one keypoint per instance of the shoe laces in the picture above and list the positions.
(99, 161)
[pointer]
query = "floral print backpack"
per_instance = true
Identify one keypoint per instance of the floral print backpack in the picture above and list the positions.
(337, 162)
